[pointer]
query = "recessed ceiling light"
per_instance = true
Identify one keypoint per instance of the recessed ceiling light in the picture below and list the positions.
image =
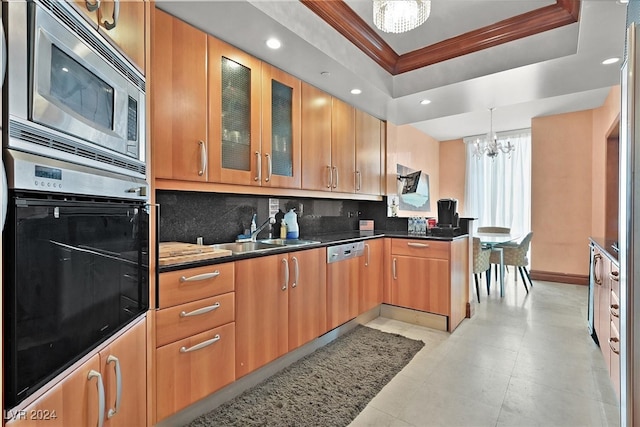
(274, 43)
(623, 1)
(425, 102)
(356, 91)
(610, 61)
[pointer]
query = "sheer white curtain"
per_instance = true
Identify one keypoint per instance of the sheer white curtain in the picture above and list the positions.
(498, 190)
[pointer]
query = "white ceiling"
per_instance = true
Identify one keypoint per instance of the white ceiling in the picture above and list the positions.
(553, 72)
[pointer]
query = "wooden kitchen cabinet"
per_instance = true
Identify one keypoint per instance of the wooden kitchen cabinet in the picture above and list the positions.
(178, 99)
(235, 155)
(316, 134)
(123, 24)
(271, 311)
(343, 152)
(602, 292)
(281, 141)
(368, 154)
(614, 327)
(432, 276)
(193, 368)
(75, 400)
(371, 275)
(195, 335)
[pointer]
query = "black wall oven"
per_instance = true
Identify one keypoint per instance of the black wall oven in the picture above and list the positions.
(75, 267)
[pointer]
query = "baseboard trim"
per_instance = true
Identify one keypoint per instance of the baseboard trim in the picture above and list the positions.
(550, 276)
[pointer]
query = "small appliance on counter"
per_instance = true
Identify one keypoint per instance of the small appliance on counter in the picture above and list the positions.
(448, 219)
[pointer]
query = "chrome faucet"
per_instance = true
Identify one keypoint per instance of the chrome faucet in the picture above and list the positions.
(254, 235)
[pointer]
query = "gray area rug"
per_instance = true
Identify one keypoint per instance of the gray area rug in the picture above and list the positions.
(329, 387)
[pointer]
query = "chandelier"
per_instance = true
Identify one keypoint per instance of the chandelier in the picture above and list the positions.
(490, 145)
(399, 16)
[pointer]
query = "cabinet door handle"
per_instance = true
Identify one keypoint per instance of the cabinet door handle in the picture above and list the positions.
(203, 158)
(203, 344)
(614, 275)
(200, 311)
(286, 274)
(100, 385)
(258, 176)
(199, 277)
(92, 7)
(613, 310)
(418, 245)
(358, 181)
(330, 180)
(115, 16)
(611, 341)
(335, 182)
(368, 257)
(296, 272)
(116, 366)
(596, 258)
(395, 276)
(269, 167)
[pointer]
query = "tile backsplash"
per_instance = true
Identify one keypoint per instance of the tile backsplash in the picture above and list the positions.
(218, 218)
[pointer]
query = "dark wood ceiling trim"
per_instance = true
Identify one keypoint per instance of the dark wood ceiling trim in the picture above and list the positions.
(514, 28)
(343, 19)
(348, 23)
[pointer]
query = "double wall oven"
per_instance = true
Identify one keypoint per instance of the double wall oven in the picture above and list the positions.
(76, 236)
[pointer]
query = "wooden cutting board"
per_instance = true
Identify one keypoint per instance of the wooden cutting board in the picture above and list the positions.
(177, 252)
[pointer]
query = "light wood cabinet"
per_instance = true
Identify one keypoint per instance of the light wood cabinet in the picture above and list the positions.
(271, 311)
(122, 22)
(614, 327)
(368, 154)
(371, 275)
(316, 137)
(281, 143)
(343, 150)
(193, 368)
(602, 292)
(178, 99)
(431, 276)
(235, 154)
(195, 335)
(75, 401)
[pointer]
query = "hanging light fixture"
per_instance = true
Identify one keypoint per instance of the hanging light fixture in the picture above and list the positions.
(490, 144)
(399, 16)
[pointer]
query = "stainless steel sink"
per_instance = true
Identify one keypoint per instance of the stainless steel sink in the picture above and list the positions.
(244, 247)
(288, 242)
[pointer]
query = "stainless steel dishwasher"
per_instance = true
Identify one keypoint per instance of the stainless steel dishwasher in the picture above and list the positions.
(343, 265)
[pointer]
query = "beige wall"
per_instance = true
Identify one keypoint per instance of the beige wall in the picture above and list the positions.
(561, 191)
(410, 147)
(453, 171)
(603, 118)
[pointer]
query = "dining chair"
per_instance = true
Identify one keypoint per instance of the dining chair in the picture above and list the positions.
(516, 255)
(480, 263)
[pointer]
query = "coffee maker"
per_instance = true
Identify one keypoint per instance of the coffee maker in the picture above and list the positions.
(448, 219)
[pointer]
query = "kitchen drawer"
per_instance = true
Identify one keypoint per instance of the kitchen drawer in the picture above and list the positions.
(184, 320)
(193, 368)
(181, 286)
(614, 310)
(420, 248)
(614, 277)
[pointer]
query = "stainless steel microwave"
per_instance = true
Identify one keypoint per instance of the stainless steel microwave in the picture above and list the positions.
(71, 95)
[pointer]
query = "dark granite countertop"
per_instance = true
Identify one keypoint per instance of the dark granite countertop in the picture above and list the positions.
(606, 245)
(329, 239)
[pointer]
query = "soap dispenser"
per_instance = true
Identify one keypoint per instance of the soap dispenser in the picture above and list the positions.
(254, 226)
(283, 229)
(292, 224)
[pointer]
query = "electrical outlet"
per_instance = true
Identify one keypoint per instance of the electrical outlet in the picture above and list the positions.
(300, 209)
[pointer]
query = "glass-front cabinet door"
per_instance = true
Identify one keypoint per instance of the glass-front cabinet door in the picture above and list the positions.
(235, 155)
(280, 128)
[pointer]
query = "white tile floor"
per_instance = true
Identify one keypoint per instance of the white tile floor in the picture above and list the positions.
(520, 361)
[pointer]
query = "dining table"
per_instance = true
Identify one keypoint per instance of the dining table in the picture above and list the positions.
(496, 242)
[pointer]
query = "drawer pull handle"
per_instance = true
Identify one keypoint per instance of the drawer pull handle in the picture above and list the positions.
(418, 245)
(613, 310)
(202, 345)
(615, 276)
(611, 341)
(205, 276)
(200, 311)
